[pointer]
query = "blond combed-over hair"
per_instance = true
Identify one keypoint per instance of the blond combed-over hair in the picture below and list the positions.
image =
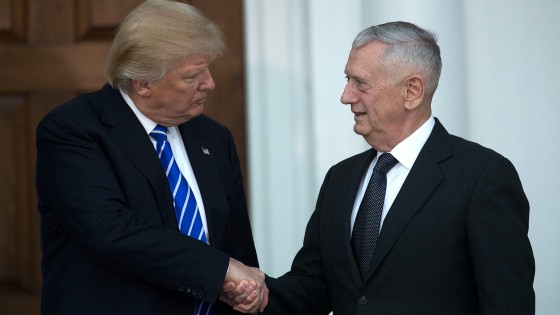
(155, 37)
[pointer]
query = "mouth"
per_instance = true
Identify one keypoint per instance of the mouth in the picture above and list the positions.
(359, 113)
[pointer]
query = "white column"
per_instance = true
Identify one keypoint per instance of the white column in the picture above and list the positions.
(295, 57)
(280, 143)
(333, 26)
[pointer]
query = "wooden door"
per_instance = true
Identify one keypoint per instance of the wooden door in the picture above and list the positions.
(50, 51)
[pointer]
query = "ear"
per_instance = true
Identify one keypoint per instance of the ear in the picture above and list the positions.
(413, 91)
(142, 88)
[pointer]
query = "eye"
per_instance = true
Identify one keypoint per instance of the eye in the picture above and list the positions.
(357, 80)
(362, 85)
(192, 77)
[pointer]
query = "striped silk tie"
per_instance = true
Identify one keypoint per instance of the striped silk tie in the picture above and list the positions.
(186, 209)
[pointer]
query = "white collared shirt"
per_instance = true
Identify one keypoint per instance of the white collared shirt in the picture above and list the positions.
(406, 153)
(179, 153)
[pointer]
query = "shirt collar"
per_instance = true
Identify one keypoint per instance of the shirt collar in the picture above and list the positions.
(407, 150)
(146, 122)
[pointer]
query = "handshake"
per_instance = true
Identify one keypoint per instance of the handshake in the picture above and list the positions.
(244, 288)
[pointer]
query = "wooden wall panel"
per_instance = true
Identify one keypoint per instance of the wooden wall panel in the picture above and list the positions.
(53, 67)
(50, 51)
(109, 13)
(11, 20)
(19, 269)
(11, 156)
(98, 19)
(5, 14)
(50, 22)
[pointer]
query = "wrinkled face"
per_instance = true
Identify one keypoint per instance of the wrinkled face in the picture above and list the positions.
(179, 95)
(374, 96)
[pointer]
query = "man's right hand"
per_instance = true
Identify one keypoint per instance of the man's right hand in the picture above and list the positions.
(244, 288)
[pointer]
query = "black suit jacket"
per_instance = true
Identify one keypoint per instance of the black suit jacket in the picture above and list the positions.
(108, 230)
(454, 241)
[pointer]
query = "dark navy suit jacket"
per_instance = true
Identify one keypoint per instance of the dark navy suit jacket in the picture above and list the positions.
(453, 242)
(108, 230)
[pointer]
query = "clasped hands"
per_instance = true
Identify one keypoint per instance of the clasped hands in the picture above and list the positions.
(244, 288)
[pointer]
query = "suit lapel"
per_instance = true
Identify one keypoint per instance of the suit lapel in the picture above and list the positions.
(343, 212)
(202, 158)
(423, 179)
(130, 136)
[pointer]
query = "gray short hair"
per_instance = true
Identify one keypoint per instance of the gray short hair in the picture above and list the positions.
(155, 37)
(409, 45)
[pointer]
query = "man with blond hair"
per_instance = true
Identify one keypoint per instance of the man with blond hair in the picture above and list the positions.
(141, 195)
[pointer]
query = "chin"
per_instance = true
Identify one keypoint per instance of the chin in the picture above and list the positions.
(359, 130)
(198, 111)
(195, 113)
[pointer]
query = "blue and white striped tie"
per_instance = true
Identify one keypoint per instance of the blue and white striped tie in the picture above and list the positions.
(186, 209)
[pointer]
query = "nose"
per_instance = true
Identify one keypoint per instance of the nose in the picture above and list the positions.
(207, 82)
(348, 97)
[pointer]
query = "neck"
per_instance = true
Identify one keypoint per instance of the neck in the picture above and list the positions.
(387, 141)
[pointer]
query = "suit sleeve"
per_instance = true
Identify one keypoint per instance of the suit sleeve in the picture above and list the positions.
(82, 204)
(303, 289)
(497, 227)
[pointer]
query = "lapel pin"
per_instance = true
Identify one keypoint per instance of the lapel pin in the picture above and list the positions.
(205, 151)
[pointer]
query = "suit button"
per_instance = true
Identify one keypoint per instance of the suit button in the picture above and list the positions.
(181, 288)
(194, 291)
(200, 294)
(188, 290)
(362, 300)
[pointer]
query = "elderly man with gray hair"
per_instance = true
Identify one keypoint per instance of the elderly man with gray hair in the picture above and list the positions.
(422, 223)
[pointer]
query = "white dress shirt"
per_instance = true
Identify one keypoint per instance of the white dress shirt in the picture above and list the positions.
(406, 153)
(179, 153)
